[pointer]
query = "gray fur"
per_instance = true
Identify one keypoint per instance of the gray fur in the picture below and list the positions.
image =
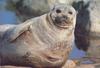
(39, 42)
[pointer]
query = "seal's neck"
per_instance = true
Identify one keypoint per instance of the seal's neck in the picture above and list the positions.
(49, 19)
(50, 22)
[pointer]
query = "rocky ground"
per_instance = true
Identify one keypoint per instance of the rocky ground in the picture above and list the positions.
(70, 64)
(80, 66)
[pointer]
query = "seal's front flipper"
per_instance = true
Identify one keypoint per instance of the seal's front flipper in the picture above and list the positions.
(18, 30)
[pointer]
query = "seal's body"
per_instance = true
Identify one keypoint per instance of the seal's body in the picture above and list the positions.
(41, 42)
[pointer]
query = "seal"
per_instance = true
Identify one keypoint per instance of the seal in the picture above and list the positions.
(41, 42)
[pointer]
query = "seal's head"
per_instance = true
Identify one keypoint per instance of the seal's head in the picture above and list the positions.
(63, 15)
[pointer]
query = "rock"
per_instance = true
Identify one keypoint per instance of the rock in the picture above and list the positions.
(86, 66)
(26, 9)
(70, 64)
(87, 33)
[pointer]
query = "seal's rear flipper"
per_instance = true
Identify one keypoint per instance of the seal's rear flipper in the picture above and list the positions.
(18, 30)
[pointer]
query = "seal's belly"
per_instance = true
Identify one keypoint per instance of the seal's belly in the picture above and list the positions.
(26, 50)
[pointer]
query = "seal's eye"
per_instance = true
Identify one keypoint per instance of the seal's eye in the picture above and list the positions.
(70, 12)
(58, 11)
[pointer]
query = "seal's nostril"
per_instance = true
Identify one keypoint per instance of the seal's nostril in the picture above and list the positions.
(58, 11)
(65, 17)
(70, 12)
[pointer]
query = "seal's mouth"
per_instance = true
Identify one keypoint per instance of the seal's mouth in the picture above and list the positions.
(62, 22)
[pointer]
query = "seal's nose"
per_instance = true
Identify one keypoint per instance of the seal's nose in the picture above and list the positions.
(65, 17)
(58, 11)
